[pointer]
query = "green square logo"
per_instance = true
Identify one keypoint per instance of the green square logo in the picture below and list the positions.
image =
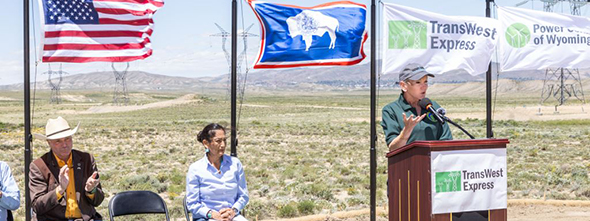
(407, 35)
(448, 181)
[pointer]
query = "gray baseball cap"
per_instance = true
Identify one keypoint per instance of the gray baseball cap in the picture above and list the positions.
(413, 72)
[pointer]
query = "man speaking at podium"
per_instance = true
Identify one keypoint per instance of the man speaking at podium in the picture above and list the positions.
(404, 121)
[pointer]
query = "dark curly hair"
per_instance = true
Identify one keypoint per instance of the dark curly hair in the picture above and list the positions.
(209, 131)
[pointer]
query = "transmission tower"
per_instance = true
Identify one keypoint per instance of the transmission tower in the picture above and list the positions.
(241, 58)
(55, 85)
(417, 27)
(120, 97)
(563, 83)
(575, 6)
(548, 4)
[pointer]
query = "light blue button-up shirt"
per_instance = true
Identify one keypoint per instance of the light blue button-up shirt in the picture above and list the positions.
(210, 189)
(10, 194)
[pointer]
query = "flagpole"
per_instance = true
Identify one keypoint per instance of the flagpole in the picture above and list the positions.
(27, 98)
(373, 109)
(489, 132)
(234, 48)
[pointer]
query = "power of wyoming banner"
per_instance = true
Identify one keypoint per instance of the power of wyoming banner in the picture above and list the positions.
(534, 40)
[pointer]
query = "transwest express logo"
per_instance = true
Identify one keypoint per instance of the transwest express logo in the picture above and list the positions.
(456, 181)
(405, 34)
(448, 181)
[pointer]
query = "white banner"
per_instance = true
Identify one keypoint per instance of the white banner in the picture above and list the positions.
(468, 180)
(535, 40)
(438, 42)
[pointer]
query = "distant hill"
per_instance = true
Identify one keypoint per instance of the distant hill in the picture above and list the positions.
(338, 76)
(357, 76)
(360, 74)
(136, 80)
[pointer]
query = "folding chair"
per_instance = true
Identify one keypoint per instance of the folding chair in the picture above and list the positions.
(186, 212)
(137, 202)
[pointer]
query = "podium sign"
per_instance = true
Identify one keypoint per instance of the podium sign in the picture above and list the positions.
(451, 180)
(468, 180)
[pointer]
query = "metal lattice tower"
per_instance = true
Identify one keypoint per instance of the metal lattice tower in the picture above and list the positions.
(548, 4)
(563, 89)
(575, 6)
(224, 36)
(563, 83)
(120, 97)
(406, 36)
(417, 28)
(55, 85)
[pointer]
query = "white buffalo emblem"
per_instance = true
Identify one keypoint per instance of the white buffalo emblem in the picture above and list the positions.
(310, 23)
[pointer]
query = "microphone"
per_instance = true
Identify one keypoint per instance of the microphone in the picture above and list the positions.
(442, 112)
(425, 103)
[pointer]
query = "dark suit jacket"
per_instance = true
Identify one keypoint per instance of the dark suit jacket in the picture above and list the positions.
(43, 183)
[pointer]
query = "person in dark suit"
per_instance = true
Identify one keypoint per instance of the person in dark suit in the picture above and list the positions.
(64, 183)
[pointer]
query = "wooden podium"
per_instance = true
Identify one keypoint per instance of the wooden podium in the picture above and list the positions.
(409, 181)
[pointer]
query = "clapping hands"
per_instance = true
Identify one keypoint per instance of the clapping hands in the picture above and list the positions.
(64, 179)
(92, 182)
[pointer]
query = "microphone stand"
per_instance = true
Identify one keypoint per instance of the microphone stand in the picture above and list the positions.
(456, 125)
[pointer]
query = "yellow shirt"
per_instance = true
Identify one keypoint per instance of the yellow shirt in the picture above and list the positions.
(72, 210)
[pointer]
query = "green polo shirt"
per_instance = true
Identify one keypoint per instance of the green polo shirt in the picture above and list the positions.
(427, 129)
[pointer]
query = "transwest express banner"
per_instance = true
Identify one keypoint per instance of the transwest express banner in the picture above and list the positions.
(438, 42)
(533, 40)
(468, 180)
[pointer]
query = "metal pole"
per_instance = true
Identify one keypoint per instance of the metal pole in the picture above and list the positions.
(234, 49)
(27, 116)
(489, 132)
(373, 105)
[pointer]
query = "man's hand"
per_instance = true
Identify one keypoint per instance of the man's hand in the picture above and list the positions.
(64, 179)
(0, 193)
(92, 182)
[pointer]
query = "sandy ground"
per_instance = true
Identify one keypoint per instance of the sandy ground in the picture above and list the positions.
(74, 98)
(110, 108)
(519, 113)
(548, 213)
(7, 99)
(518, 210)
(308, 106)
(523, 113)
(527, 113)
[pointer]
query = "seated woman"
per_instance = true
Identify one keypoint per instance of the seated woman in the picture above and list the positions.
(215, 184)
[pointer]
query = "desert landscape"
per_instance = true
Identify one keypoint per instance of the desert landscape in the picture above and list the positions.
(305, 149)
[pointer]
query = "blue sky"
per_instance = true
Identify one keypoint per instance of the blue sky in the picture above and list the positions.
(181, 40)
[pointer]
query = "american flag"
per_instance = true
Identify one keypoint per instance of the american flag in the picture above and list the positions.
(81, 31)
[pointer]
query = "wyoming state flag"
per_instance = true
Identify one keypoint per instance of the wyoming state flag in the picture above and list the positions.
(327, 34)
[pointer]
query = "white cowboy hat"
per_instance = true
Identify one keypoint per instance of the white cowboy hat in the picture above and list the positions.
(56, 129)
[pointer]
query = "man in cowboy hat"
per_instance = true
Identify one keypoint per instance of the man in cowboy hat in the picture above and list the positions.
(64, 183)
